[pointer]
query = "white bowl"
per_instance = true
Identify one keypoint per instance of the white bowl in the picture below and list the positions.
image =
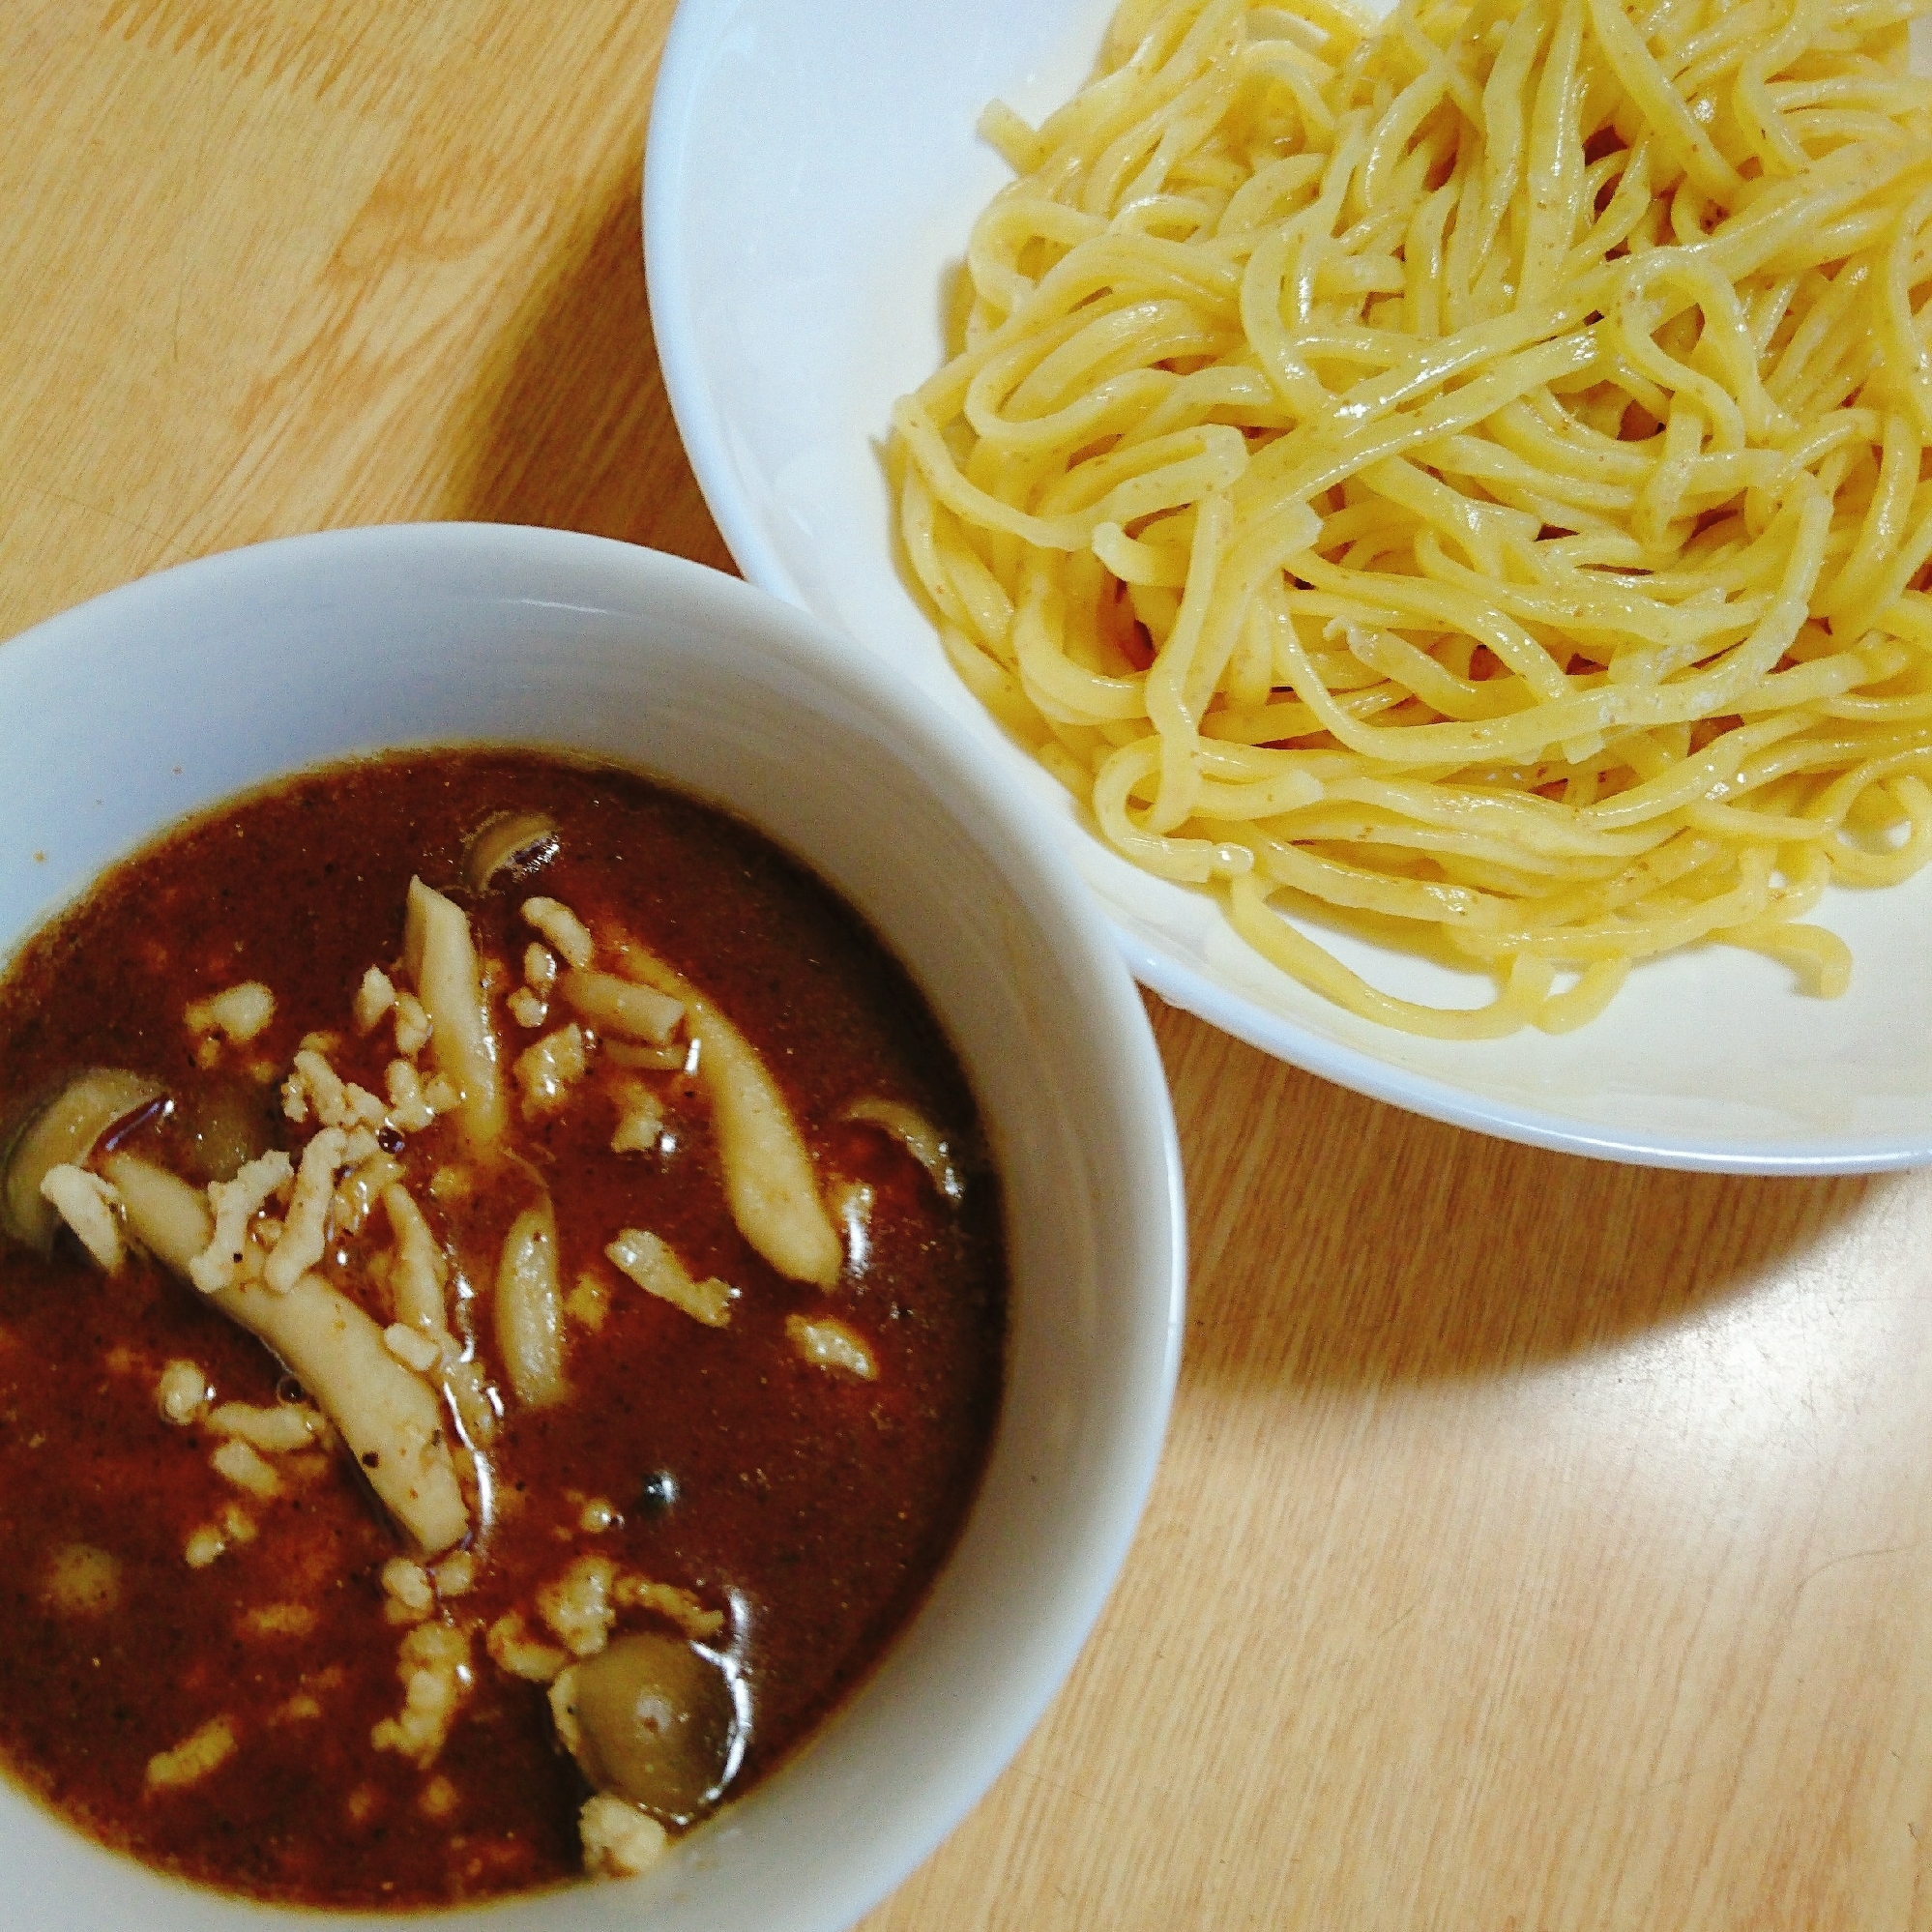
(811, 174)
(119, 716)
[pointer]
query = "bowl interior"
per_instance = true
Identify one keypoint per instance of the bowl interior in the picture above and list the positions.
(179, 691)
(796, 286)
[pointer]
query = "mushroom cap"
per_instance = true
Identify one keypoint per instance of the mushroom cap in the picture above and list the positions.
(63, 1128)
(652, 1718)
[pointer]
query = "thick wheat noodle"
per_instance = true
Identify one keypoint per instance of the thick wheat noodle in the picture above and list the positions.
(1466, 473)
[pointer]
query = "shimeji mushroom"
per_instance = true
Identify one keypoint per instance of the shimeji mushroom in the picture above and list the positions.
(516, 843)
(530, 1306)
(440, 957)
(769, 1178)
(388, 1417)
(62, 1133)
(652, 1720)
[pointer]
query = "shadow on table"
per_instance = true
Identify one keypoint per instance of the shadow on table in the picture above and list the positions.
(1337, 1240)
(574, 429)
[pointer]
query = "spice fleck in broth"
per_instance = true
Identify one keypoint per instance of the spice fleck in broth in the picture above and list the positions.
(501, 1319)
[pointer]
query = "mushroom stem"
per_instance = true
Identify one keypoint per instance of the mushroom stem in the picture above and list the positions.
(441, 959)
(530, 1306)
(387, 1415)
(769, 1177)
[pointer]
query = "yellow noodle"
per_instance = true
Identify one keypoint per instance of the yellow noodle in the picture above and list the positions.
(1463, 475)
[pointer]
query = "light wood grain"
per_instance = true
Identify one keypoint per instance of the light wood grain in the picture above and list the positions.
(1541, 1545)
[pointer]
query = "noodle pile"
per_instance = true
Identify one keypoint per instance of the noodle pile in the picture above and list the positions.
(1461, 479)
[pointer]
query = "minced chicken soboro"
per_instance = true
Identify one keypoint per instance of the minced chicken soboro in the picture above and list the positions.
(225, 1647)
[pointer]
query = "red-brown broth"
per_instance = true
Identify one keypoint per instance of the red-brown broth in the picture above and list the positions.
(815, 1509)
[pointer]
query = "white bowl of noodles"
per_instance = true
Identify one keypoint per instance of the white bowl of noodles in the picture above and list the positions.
(799, 284)
(182, 689)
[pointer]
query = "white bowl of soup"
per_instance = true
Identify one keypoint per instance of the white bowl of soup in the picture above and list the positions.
(809, 781)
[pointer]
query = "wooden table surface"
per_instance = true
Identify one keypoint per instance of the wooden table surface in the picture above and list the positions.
(1539, 1545)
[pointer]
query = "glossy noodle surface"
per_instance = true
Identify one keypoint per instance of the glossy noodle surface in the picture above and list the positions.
(1460, 479)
